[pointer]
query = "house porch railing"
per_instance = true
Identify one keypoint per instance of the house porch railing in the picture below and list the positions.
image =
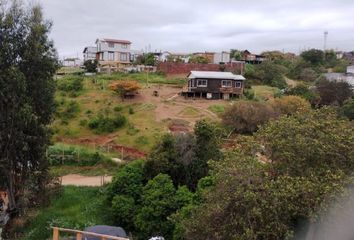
(80, 234)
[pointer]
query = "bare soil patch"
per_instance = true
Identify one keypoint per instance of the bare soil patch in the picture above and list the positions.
(79, 180)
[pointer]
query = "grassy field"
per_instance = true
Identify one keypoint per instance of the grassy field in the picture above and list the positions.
(217, 108)
(74, 208)
(141, 130)
(263, 92)
(98, 170)
(142, 78)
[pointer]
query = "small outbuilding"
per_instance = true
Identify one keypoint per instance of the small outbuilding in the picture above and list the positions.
(214, 85)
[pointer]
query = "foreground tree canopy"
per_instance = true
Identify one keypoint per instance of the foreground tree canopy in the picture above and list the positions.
(276, 183)
(27, 62)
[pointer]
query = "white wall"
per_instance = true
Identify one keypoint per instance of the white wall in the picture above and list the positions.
(350, 69)
(118, 47)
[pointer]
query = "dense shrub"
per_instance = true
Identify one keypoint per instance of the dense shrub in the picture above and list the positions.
(308, 75)
(245, 117)
(289, 105)
(305, 141)
(70, 83)
(271, 74)
(347, 109)
(305, 92)
(118, 108)
(249, 94)
(103, 124)
(68, 110)
(333, 92)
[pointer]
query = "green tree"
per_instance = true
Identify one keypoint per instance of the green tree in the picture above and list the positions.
(313, 56)
(124, 209)
(273, 184)
(91, 65)
(185, 157)
(27, 62)
(129, 181)
(149, 59)
(207, 148)
(250, 71)
(123, 194)
(162, 159)
(247, 203)
(199, 59)
(271, 74)
(302, 144)
(236, 54)
(158, 203)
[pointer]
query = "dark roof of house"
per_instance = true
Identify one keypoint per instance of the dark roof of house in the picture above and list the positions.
(106, 230)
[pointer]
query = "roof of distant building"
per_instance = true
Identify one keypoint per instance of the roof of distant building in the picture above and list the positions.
(214, 75)
(115, 40)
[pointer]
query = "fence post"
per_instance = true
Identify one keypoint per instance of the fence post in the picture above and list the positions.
(55, 234)
(62, 157)
(78, 236)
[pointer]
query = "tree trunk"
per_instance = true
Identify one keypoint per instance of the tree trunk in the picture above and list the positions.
(11, 191)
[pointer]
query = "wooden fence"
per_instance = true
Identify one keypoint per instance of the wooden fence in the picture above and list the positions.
(80, 234)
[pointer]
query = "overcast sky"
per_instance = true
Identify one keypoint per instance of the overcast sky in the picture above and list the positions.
(202, 25)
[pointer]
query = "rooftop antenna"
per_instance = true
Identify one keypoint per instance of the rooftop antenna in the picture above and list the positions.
(325, 40)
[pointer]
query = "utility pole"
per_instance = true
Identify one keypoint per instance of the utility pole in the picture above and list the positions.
(325, 41)
(325, 35)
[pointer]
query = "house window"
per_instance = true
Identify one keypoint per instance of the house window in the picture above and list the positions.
(111, 45)
(226, 83)
(111, 56)
(238, 85)
(123, 57)
(202, 83)
(125, 46)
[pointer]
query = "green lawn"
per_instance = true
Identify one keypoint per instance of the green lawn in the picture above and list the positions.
(263, 92)
(76, 207)
(217, 108)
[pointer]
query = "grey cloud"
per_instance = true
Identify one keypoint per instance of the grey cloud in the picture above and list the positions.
(198, 25)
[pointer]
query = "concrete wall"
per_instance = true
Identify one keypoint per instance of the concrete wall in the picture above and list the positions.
(171, 68)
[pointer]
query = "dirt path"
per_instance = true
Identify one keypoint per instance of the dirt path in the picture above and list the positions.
(79, 180)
